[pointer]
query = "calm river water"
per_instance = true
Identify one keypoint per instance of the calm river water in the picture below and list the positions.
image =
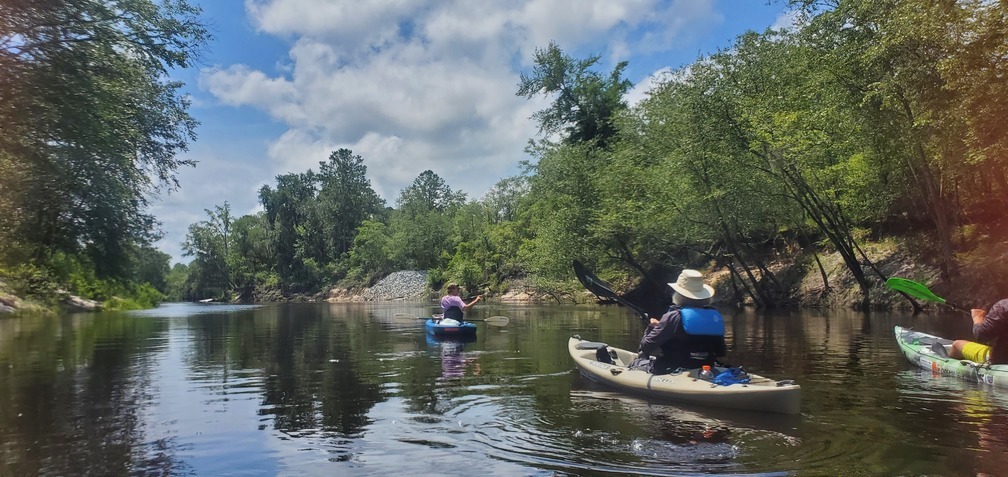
(349, 389)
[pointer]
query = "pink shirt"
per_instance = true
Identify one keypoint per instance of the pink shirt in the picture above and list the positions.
(451, 300)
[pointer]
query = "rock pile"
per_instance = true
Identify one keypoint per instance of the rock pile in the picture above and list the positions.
(407, 285)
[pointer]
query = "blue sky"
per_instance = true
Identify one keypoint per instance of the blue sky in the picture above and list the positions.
(408, 85)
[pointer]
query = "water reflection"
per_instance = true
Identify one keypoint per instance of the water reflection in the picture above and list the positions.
(174, 310)
(685, 438)
(322, 389)
(452, 354)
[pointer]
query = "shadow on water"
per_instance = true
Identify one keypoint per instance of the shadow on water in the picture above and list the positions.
(323, 389)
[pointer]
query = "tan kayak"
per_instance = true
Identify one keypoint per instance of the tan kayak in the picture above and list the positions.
(759, 394)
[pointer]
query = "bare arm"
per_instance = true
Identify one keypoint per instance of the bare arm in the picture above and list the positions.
(468, 306)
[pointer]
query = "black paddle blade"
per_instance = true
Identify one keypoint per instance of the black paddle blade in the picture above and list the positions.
(602, 288)
(594, 284)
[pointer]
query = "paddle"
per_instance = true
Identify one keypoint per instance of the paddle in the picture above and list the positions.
(918, 290)
(601, 288)
(492, 320)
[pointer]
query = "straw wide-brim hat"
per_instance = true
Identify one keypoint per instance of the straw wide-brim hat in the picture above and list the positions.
(691, 285)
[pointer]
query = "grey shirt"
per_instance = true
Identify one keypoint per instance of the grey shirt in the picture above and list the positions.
(993, 331)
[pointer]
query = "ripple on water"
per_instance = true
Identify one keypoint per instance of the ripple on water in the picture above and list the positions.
(550, 441)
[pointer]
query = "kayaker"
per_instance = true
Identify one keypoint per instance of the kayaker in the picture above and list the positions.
(988, 327)
(690, 334)
(452, 305)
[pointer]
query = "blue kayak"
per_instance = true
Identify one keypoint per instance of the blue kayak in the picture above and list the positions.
(453, 328)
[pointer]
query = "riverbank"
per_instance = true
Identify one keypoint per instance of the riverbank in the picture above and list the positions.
(11, 303)
(982, 279)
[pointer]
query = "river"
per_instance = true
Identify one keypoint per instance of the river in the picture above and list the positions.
(350, 389)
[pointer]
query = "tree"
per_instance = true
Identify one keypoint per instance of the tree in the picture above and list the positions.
(151, 266)
(209, 241)
(252, 253)
(176, 283)
(345, 200)
(91, 126)
(370, 256)
(930, 77)
(428, 193)
(287, 211)
(503, 200)
(586, 102)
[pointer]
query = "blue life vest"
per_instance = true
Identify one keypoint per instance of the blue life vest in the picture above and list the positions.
(702, 321)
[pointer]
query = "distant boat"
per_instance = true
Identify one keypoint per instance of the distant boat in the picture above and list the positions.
(206, 300)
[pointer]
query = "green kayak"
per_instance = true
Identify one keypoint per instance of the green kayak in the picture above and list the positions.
(931, 352)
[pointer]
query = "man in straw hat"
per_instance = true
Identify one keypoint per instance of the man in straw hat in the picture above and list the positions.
(691, 333)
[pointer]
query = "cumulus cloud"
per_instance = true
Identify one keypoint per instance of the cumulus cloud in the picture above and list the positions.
(789, 20)
(641, 89)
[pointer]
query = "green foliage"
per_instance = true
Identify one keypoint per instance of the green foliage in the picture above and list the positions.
(29, 280)
(64, 274)
(210, 242)
(563, 206)
(176, 283)
(428, 193)
(369, 259)
(151, 266)
(586, 102)
(345, 200)
(91, 125)
(137, 297)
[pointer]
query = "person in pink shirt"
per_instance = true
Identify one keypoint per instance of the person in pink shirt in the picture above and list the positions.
(452, 305)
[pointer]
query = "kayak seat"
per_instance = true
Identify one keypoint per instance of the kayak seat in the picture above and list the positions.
(602, 355)
(454, 313)
(939, 349)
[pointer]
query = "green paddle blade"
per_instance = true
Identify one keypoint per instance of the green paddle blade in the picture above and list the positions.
(913, 289)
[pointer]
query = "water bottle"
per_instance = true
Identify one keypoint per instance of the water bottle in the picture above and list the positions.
(705, 372)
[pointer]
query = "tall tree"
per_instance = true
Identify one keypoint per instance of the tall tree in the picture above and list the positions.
(210, 242)
(287, 211)
(930, 74)
(91, 125)
(428, 192)
(586, 102)
(421, 227)
(345, 200)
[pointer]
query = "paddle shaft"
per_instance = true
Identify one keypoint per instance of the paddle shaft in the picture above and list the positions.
(492, 320)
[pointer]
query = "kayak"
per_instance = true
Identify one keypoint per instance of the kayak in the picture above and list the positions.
(931, 352)
(441, 341)
(449, 327)
(758, 394)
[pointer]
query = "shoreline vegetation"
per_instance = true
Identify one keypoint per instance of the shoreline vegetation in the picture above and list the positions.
(797, 167)
(982, 281)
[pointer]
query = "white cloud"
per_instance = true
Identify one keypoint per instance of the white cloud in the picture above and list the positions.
(641, 89)
(238, 85)
(364, 22)
(788, 20)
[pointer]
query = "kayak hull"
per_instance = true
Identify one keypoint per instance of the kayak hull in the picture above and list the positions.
(920, 349)
(437, 329)
(760, 394)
